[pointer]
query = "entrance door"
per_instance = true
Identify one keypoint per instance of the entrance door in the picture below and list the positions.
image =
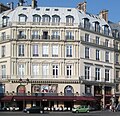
(20, 105)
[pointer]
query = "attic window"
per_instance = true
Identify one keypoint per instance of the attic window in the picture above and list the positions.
(37, 8)
(56, 9)
(68, 9)
(24, 8)
(47, 9)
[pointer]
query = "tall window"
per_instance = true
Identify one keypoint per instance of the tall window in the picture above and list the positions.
(86, 37)
(107, 78)
(69, 20)
(97, 54)
(106, 42)
(55, 51)
(3, 69)
(55, 20)
(97, 74)
(21, 50)
(4, 21)
(45, 70)
(88, 89)
(116, 58)
(36, 18)
(55, 35)
(35, 50)
(97, 27)
(55, 71)
(21, 35)
(69, 71)
(117, 74)
(106, 29)
(45, 51)
(87, 72)
(86, 52)
(46, 19)
(22, 18)
(97, 40)
(69, 35)
(107, 56)
(35, 34)
(2, 51)
(86, 23)
(35, 70)
(21, 71)
(3, 35)
(69, 51)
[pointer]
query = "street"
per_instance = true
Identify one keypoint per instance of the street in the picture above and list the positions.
(94, 113)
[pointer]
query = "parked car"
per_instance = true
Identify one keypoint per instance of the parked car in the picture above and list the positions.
(81, 109)
(34, 109)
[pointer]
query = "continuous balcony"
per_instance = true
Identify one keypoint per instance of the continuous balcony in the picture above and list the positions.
(93, 42)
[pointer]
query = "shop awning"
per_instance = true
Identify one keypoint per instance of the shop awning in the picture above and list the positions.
(6, 98)
(54, 98)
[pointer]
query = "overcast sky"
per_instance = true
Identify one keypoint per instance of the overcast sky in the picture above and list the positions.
(93, 6)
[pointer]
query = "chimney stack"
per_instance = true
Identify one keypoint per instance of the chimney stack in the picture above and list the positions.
(82, 6)
(104, 14)
(34, 4)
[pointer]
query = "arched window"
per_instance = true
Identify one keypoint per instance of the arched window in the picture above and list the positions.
(5, 21)
(69, 20)
(36, 18)
(68, 90)
(55, 20)
(45, 19)
(22, 18)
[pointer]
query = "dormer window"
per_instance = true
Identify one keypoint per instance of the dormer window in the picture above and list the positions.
(97, 26)
(45, 19)
(69, 20)
(4, 21)
(86, 23)
(106, 29)
(36, 18)
(22, 18)
(55, 19)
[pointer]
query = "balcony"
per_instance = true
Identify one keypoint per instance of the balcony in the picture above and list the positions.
(69, 37)
(35, 37)
(93, 42)
(55, 37)
(92, 81)
(46, 37)
(21, 36)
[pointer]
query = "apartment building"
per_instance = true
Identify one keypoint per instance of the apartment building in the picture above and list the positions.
(55, 56)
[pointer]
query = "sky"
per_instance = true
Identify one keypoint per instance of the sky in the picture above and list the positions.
(93, 6)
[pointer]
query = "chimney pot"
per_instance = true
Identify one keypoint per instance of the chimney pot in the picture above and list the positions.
(104, 14)
(82, 6)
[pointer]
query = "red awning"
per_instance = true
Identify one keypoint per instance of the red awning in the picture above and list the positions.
(54, 98)
(6, 98)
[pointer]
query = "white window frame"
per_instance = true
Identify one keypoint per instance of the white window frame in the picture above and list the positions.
(55, 71)
(69, 70)
(45, 50)
(21, 70)
(21, 50)
(97, 74)
(87, 72)
(35, 50)
(69, 50)
(45, 70)
(54, 50)
(3, 71)
(35, 70)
